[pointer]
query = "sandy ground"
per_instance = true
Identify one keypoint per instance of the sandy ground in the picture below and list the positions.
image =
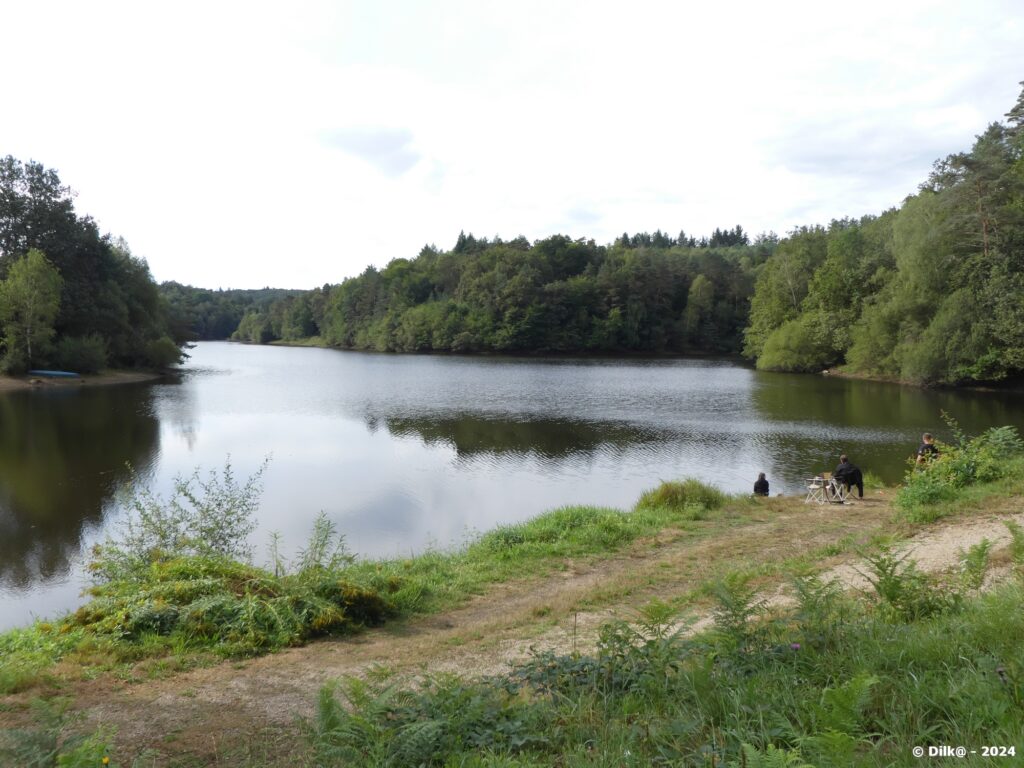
(10, 383)
(203, 712)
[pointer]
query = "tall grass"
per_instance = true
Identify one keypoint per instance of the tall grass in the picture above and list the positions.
(836, 681)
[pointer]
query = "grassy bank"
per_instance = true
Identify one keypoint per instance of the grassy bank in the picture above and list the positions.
(194, 604)
(164, 603)
(835, 681)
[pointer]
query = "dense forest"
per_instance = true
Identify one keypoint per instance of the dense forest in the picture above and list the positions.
(930, 292)
(201, 314)
(643, 293)
(69, 296)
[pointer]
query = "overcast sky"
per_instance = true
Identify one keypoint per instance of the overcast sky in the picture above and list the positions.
(293, 143)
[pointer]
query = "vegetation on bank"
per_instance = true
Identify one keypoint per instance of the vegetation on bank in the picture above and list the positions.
(202, 314)
(928, 293)
(179, 580)
(931, 292)
(835, 681)
(69, 296)
(643, 294)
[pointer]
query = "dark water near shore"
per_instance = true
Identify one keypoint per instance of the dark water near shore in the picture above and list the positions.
(404, 452)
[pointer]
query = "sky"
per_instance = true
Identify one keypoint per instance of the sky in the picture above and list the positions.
(292, 144)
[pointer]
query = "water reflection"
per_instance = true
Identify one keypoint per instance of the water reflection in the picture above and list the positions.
(805, 422)
(472, 436)
(406, 451)
(62, 454)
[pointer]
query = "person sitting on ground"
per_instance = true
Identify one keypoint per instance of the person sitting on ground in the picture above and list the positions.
(849, 475)
(761, 485)
(927, 450)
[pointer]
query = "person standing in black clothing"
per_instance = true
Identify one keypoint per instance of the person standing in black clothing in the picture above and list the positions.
(849, 474)
(927, 450)
(761, 485)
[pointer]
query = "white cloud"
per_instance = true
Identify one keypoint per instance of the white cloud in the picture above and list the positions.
(242, 144)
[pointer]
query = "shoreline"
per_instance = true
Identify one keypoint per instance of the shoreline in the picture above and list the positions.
(107, 378)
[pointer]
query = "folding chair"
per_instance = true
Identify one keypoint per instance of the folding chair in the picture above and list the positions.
(836, 491)
(815, 491)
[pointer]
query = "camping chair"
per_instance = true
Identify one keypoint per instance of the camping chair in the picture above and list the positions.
(815, 490)
(836, 491)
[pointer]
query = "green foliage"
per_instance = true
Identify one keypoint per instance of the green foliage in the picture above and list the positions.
(797, 345)
(178, 576)
(83, 354)
(590, 528)
(205, 518)
(974, 564)
(649, 695)
(381, 724)
(993, 455)
(690, 498)
(554, 295)
(161, 353)
(908, 594)
(29, 301)
(232, 608)
(930, 293)
(204, 314)
(53, 742)
(772, 757)
(102, 290)
(1016, 542)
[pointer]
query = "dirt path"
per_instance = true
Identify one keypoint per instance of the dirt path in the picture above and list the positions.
(199, 712)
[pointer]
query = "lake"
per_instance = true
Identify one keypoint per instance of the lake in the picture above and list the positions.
(408, 452)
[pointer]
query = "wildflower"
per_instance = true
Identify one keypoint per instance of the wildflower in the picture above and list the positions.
(106, 760)
(795, 646)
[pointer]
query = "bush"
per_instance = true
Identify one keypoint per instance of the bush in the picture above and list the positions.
(82, 354)
(689, 497)
(181, 570)
(162, 353)
(796, 345)
(990, 456)
(204, 518)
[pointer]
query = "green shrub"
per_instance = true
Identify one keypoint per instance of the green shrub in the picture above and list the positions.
(208, 517)
(686, 497)
(990, 456)
(82, 354)
(796, 345)
(161, 353)
(906, 593)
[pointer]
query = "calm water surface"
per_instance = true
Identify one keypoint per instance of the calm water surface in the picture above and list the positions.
(405, 452)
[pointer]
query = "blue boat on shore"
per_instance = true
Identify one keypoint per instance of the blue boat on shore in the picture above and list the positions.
(56, 374)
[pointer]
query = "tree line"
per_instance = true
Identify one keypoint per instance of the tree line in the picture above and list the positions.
(642, 293)
(931, 292)
(69, 296)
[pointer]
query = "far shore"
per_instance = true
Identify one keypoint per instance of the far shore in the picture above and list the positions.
(11, 383)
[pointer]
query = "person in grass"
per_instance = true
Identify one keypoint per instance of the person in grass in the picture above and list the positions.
(849, 474)
(927, 451)
(761, 485)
